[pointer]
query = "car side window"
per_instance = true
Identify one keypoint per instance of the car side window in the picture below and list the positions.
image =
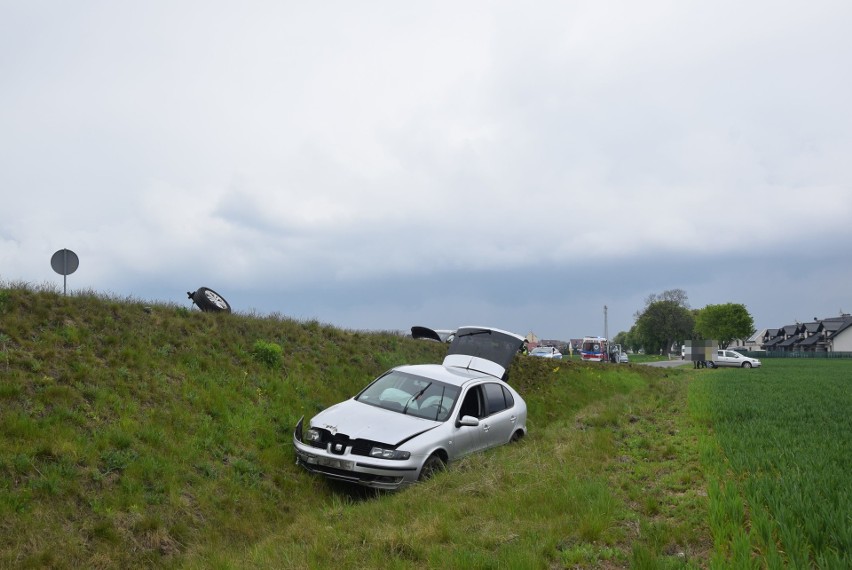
(485, 400)
(510, 401)
(496, 401)
(472, 404)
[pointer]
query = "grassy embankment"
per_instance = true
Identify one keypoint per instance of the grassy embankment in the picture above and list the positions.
(155, 436)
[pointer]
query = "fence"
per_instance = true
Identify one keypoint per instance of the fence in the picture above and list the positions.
(794, 354)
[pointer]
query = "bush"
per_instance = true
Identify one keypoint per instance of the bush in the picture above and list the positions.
(268, 353)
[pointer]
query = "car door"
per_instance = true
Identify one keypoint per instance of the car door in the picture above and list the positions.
(499, 422)
(734, 358)
(468, 439)
(721, 359)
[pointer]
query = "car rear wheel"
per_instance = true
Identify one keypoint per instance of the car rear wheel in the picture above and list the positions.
(433, 465)
(746, 364)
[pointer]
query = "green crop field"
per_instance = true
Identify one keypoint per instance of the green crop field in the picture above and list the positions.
(138, 435)
(781, 462)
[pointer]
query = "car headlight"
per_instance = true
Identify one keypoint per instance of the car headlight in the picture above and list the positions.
(382, 453)
(313, 436)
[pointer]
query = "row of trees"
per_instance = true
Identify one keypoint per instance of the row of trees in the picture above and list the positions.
(667, 319)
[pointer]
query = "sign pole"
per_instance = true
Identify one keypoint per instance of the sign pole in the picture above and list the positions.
(65, 262)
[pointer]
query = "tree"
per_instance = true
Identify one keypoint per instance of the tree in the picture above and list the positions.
(665, 319)
(677, 296)
(628, 340)
(724, 323)
(663, 323)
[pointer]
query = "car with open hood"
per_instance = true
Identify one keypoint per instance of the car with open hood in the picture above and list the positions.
(414, 420)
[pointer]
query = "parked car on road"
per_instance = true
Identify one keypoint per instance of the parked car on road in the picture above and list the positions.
(414, 420)
(735, 359)
(622, 358)
(546, 352)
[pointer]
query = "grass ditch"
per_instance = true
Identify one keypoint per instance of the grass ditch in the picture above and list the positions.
(587, 488)
(138, 435)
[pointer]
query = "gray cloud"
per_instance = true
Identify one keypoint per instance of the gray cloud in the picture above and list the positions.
(376, 165)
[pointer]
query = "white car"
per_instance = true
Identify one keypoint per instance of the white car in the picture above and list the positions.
(622, 358)
(546, 352)
(735, 359)
(415, 419)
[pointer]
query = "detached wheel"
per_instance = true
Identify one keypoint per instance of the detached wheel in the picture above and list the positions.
(209, 300)
(433, 465)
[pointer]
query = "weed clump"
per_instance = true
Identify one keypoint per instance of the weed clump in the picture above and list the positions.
(268, 353)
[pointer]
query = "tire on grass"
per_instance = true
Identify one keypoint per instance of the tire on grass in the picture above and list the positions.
(209, 301)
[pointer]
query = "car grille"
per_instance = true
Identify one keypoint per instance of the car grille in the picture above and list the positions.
(338, 443)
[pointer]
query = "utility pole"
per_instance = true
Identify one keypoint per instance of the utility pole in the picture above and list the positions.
(606, 325)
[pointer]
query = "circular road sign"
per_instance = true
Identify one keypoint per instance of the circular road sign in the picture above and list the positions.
(65, 262)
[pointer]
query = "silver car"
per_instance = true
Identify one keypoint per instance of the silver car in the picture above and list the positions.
(734, 358)
(415, 419)
(546, 352)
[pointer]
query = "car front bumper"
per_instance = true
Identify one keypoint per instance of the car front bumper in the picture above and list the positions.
(358, 469)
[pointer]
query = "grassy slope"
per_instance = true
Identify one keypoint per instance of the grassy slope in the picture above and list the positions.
(151, 436)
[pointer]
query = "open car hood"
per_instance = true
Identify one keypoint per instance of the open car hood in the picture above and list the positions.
(483, 349)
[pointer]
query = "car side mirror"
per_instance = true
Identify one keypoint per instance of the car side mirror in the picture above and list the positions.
(467, 421)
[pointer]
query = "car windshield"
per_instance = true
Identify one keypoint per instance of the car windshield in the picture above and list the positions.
(411, 395)
(541, 350)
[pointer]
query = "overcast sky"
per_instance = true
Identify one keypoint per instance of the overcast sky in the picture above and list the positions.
(376, 165)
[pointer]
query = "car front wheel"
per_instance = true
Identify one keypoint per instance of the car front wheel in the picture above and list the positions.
(746, 364)
(433, 465)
